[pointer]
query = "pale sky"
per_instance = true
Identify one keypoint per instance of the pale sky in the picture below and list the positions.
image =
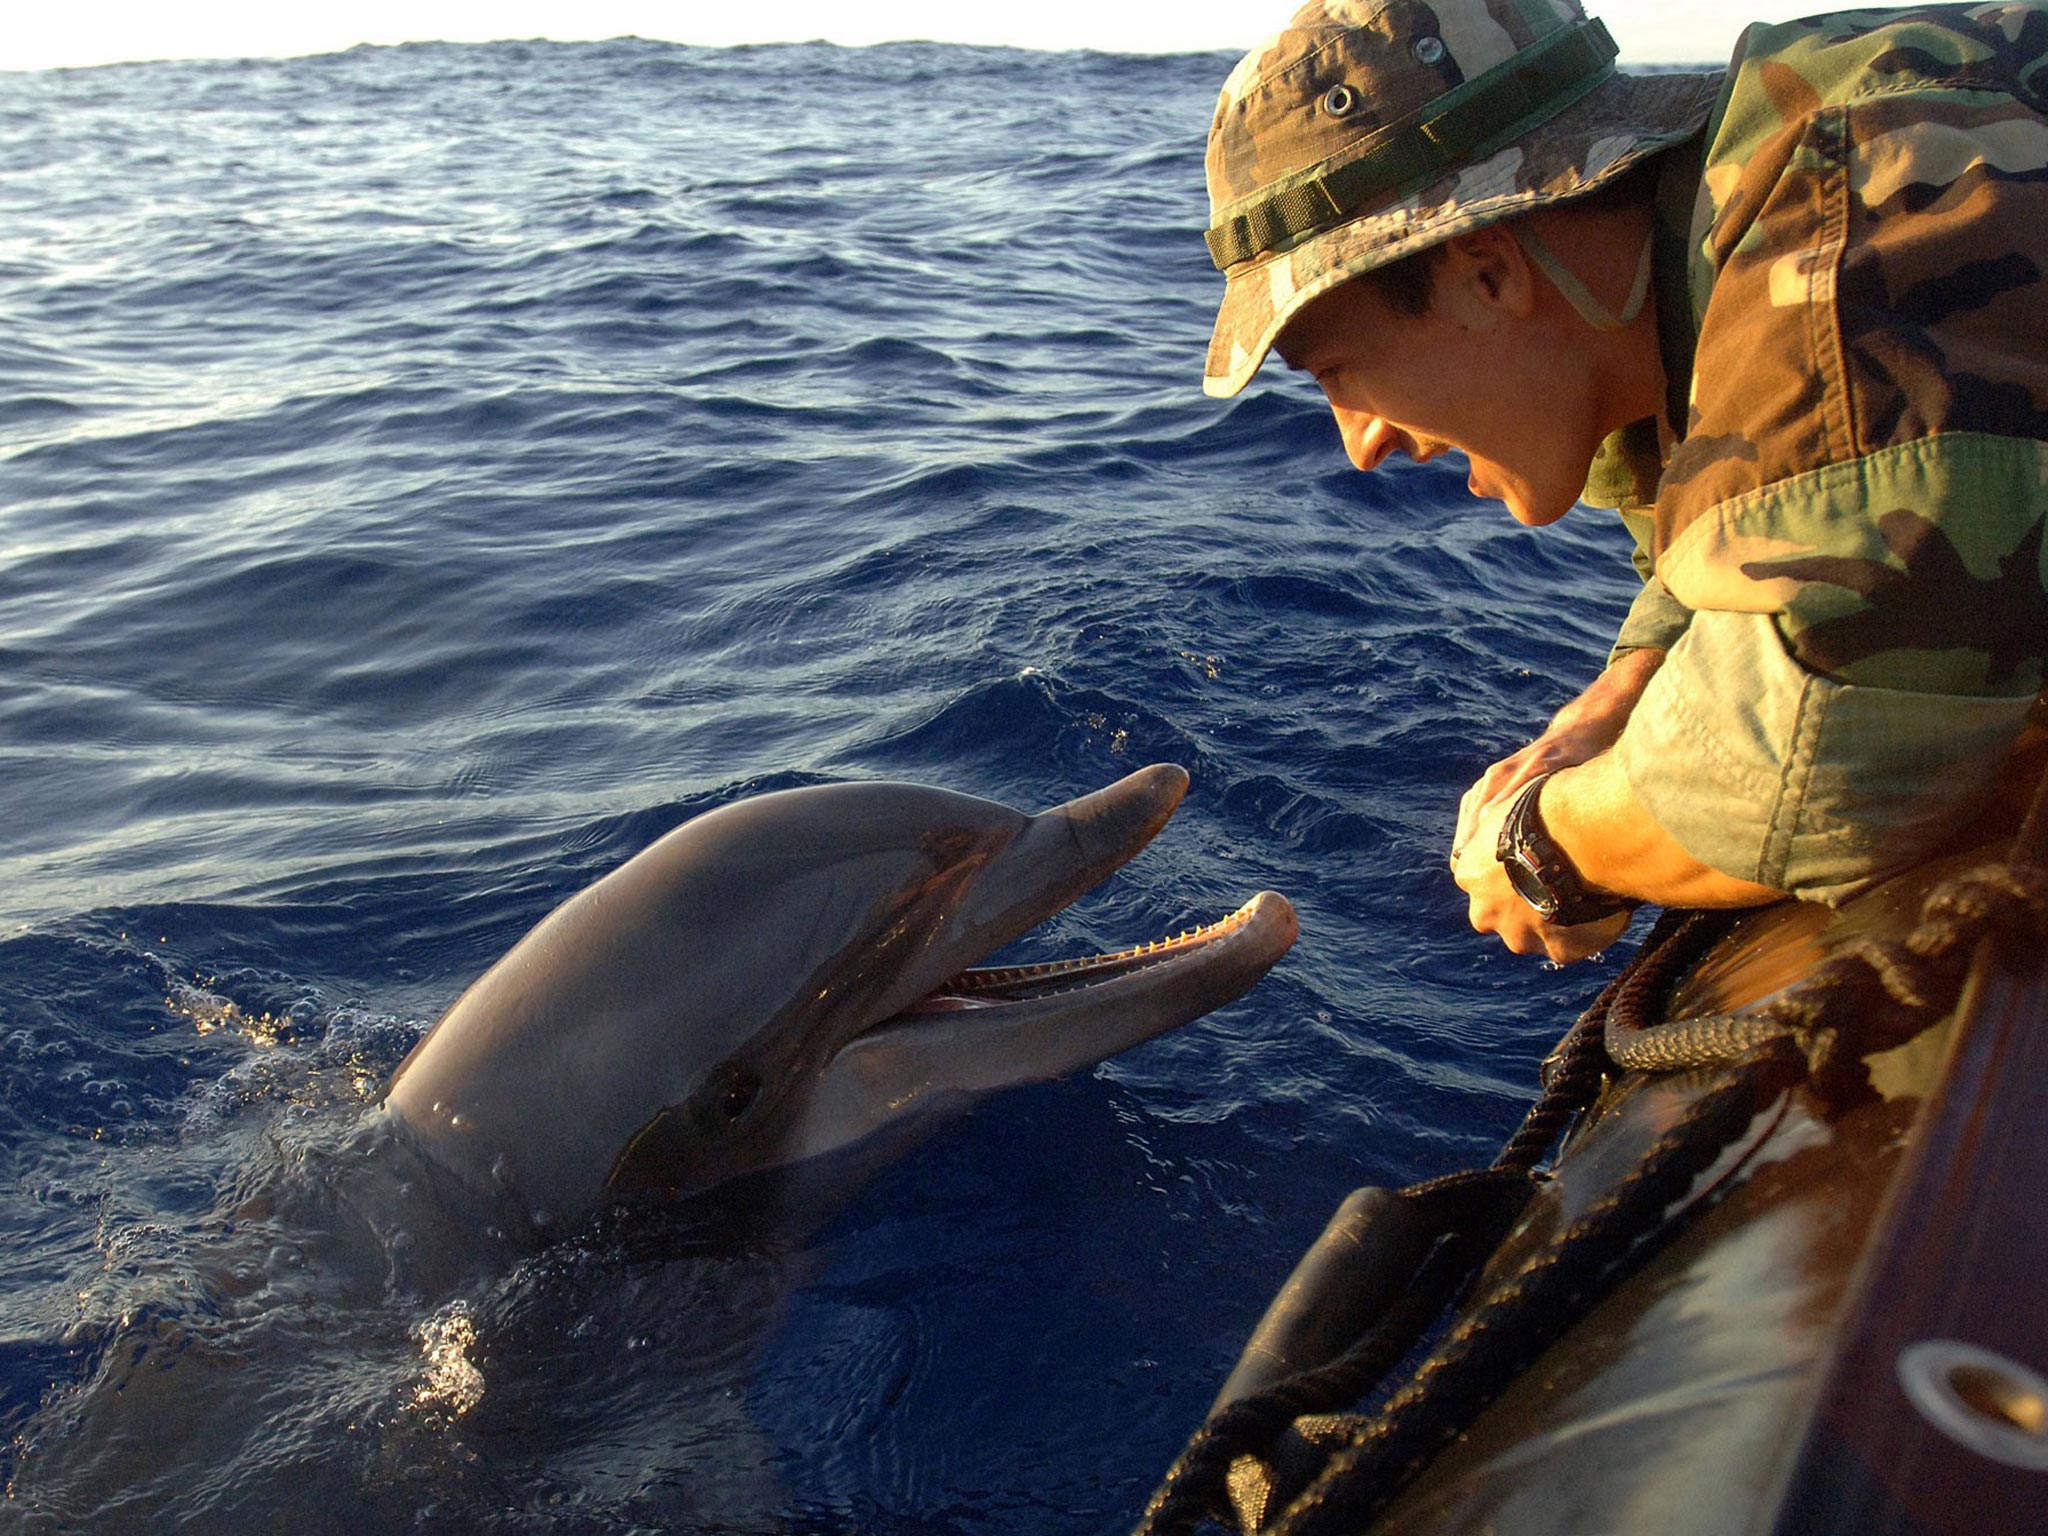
(42, 34)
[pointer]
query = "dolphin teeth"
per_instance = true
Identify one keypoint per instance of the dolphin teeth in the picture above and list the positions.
(1012, 979)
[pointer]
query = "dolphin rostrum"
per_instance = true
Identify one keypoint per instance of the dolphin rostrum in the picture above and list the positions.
(789, 975)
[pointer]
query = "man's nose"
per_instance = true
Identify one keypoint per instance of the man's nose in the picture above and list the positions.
(1368, 439)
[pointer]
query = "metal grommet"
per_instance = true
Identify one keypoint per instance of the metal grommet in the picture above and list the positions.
(1980, 1399)
(1341, 101)
(1428, 50)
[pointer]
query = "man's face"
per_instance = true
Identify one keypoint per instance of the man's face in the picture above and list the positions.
(1475, 372)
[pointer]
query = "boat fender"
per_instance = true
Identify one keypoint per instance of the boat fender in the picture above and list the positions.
(1343, 1285)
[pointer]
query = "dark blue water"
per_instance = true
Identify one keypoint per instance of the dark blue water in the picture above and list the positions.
(428, 474)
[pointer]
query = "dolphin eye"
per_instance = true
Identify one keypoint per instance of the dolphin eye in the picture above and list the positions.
(734, 1092)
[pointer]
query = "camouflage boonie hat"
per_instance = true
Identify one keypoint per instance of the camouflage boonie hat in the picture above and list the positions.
(1369, 129)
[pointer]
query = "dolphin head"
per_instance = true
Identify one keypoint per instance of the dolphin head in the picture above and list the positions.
(791, 974)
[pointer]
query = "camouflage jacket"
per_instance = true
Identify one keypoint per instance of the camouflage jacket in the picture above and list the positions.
(1854, 513)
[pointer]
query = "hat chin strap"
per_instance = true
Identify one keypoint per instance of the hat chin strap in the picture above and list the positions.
(1576, 293)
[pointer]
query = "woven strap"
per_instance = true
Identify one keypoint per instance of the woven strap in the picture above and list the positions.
(1576, 293)
(1507, 101)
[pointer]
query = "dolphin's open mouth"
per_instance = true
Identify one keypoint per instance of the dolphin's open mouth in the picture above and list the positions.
(962, 1029)
(1252, 936)
(990, 1027)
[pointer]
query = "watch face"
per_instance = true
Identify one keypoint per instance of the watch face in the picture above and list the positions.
(1531, 889)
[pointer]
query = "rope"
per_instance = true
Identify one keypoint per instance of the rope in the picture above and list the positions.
(1193, 1490)
(1552, 1290)
(1875, 995)
(1471, 1211)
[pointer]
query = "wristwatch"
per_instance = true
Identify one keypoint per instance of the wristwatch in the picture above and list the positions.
(1542, 873)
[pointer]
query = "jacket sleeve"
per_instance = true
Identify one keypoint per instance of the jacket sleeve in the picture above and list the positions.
(1655, 619)
(1855, 516)
(1654, 622)
(1772, 773)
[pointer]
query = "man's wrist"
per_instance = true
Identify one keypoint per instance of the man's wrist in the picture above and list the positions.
(1542, 873)
(1616, 844)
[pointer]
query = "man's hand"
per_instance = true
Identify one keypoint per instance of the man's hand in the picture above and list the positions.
(1497, 907)
(1579, 732)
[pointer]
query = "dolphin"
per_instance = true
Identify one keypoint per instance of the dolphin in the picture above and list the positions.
(793, 974)
(762, 1005)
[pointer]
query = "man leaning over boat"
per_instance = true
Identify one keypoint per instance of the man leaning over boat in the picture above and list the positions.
(1789, 318)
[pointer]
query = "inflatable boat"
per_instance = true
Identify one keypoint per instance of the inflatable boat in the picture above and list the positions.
(1787, 1273)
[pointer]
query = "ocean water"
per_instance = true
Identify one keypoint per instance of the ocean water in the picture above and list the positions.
(428, 474)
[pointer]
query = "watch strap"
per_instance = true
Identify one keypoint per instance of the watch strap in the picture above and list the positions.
(1542, 873)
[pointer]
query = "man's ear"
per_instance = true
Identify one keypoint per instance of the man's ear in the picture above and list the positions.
(1485, 279)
